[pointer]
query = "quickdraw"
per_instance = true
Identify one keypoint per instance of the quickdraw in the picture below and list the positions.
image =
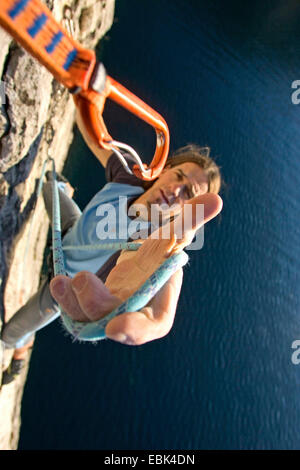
(32, 24)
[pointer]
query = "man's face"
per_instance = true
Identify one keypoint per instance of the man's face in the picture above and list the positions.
(175, 186)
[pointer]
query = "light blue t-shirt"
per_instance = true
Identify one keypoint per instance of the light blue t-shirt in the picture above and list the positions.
(104, 220)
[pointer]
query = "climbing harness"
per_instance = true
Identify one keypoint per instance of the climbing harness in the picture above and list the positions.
(94, 331)
(32, 24)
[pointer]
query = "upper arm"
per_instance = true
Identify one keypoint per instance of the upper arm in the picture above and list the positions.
(102, 154)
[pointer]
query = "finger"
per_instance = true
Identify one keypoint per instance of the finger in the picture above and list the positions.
(194, 215)
(61, 290)
(132, 328)
(94, 298)
(213, 205)
(198, 212)
(151, 322)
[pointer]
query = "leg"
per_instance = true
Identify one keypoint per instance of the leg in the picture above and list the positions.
(17, 363)
(69, 210)
(40, 310)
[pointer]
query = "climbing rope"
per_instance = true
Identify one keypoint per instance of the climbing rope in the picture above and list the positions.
(95, 331)
(31, 23)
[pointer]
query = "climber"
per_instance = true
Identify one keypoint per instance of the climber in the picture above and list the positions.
(189, 173)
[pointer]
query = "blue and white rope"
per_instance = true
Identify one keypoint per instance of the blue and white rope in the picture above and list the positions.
(94, 331)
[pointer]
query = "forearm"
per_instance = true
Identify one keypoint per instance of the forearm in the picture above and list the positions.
(102, 154)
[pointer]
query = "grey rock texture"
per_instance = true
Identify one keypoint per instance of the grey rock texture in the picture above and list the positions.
(36, 120)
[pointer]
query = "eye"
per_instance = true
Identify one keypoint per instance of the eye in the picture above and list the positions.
(179, 175)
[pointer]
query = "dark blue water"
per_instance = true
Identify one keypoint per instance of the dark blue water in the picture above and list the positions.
(220, 73)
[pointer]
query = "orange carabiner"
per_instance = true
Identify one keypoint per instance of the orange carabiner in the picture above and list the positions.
(32, 24)
(91, 103)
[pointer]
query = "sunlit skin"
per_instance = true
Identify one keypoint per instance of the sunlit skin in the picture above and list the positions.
(86, 298)
(175, 186)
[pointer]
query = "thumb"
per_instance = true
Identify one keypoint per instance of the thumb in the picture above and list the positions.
(197, 212)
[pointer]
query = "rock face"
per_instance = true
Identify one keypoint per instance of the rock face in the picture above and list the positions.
(36, 121)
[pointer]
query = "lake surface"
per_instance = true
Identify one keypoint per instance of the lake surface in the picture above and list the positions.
(220, 73)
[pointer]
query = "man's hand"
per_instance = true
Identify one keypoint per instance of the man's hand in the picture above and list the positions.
(86, 298)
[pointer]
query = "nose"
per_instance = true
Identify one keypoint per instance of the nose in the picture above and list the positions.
(175, 192)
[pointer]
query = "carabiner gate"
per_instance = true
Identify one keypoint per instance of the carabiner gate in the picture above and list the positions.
(32, 24)
(91, 103)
